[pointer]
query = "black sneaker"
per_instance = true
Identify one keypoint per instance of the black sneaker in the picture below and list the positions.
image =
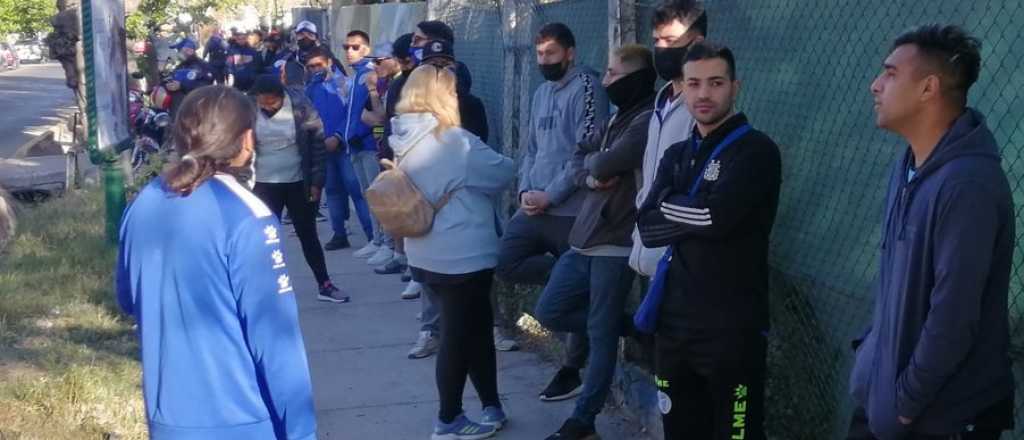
(337, 242)
(574, 430)
(332, 294)
(394, 266)
(565, 385)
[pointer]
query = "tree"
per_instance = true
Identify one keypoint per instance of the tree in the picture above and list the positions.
(26, 17)
(151, 14)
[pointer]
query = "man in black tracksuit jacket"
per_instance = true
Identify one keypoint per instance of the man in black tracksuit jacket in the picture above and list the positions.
(716, 214)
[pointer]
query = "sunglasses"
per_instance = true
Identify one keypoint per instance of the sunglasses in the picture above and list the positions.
(352, 46)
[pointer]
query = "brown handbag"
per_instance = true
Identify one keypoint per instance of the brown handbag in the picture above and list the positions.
(399, 206)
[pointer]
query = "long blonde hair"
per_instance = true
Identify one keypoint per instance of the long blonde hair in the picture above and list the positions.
(431, 89)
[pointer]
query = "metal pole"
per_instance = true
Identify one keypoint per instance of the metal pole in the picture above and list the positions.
(113, 177)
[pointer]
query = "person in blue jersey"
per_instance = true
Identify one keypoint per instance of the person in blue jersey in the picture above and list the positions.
(216, 54)
(192, 73)
(243, 65)
(201, 268)
(325, 88)
(459, 173)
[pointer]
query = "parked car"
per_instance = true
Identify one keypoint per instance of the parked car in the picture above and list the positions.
(30, 51)
(8, 57)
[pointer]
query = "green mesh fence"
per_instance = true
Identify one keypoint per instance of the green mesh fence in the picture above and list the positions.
(806, 66)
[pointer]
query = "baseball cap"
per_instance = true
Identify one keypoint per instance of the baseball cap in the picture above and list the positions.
(306, 26)
(381, 50)
(438, 49)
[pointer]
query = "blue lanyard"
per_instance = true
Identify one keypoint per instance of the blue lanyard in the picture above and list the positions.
(732, 137)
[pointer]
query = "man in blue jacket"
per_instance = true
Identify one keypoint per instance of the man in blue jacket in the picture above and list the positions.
(325, 89)
(243, 65)
(192, 73)
(935, 362)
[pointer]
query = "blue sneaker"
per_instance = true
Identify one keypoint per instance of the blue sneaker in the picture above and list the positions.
(495, 417)
(462, 429)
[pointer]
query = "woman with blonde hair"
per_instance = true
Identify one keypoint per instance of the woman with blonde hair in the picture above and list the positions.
(457, 172)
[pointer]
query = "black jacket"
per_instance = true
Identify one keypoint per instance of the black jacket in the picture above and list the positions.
(938, 350)
(718, 277)
(617, 150)
(309, 134)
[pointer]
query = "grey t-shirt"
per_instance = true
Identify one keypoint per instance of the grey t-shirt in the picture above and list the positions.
(277, 154)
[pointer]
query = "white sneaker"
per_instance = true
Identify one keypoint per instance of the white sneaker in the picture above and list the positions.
(381, 257)
(425, 346)
(413, 290)
(366, 251)
(504, 343)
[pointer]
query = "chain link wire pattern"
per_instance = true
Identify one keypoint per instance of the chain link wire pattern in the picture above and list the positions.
(805, 67)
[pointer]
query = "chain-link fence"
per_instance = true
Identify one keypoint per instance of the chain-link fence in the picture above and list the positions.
(805, 67)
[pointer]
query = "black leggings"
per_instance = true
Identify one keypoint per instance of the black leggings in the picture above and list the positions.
(467, 342)
(277, 196)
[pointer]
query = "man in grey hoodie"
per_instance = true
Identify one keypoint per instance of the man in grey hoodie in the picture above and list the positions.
(935, 363)
(567, 108)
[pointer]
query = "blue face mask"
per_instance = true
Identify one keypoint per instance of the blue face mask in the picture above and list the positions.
(417, 54)
(319, 77)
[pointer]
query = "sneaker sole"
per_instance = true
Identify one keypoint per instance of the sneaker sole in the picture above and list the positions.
(422, 355)
(567, 396)
(462, 437)
(498, 426)
(333, 300)
(410, 298)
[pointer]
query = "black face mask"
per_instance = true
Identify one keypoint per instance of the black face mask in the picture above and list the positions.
(669, 61)
(305, 44)
(553, 72)
(631, 89)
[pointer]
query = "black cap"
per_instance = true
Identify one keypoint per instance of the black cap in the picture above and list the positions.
(438, 49)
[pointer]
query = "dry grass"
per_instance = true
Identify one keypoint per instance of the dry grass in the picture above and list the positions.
(68, 361)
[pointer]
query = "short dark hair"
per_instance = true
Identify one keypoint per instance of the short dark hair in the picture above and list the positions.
(360, 34)
(318, 52)
(437, 30)
(558, 32)
(688, 12)
(705, 50)
(951, 52)
(267, 85)
(400, 48)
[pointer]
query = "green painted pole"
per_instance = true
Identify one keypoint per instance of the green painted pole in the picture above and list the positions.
(113, 176)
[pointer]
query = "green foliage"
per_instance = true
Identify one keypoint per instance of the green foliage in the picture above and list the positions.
(26, 17)
(151, 14)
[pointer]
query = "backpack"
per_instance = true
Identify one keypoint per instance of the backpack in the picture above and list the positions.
(399, 206)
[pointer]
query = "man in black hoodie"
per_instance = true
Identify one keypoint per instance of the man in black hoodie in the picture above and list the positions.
(713, 203)
(586, 293)
(935, 362)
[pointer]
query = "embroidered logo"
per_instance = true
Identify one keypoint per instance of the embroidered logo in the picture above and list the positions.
(713, 171)
(271, 233)
(278, 258)
(192, 75)
(436, 47)
(284, 284)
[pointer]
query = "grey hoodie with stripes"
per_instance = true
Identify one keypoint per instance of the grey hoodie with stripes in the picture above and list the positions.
(562, 115)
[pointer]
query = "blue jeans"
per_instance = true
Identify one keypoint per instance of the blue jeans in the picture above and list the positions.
(588, 295)
(342, 184)
(367, 168)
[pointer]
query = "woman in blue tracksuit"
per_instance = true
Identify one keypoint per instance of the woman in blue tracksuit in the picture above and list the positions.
(201, 268)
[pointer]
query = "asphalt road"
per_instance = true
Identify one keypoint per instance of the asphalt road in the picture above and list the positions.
(31, 99)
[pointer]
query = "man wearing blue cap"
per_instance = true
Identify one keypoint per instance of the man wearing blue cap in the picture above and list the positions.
(192, 73)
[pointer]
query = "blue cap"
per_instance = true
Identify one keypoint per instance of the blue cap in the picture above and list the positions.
(185, 42)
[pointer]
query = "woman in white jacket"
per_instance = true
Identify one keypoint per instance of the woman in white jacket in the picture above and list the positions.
(457, 257)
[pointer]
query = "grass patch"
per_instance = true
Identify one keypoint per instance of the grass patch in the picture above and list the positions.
(68, 360)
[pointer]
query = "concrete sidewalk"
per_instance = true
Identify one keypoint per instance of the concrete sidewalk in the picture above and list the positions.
(366, 389)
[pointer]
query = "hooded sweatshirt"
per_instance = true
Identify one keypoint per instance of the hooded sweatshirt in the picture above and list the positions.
(463, 239)
(671, 122)
(207, 282)
(563, 114)
(325, 93)
(937, 351)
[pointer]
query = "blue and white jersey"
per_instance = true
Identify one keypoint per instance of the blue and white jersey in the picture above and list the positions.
(206, 279)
